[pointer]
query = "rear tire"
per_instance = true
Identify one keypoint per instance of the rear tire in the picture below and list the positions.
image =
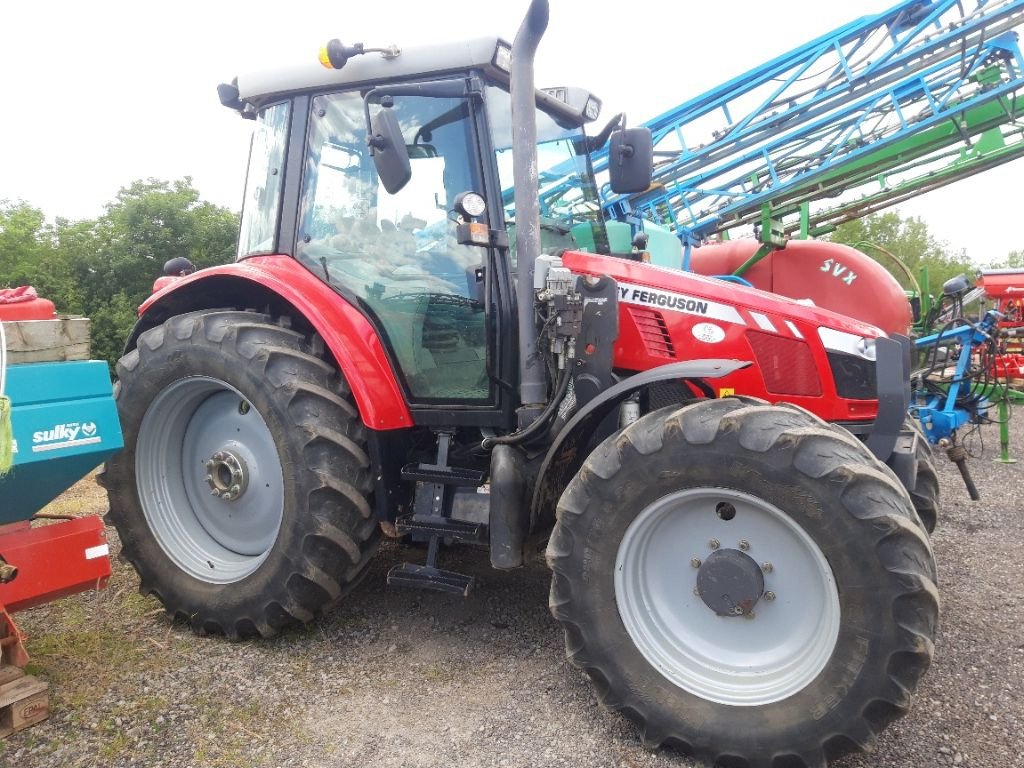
(818, 671)
(241, 496)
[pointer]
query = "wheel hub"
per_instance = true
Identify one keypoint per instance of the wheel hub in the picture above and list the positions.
(227, 475)
(730, 583)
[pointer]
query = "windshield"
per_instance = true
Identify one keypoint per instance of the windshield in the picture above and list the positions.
(570, 209)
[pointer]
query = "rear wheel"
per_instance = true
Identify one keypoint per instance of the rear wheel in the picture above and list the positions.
(241, 494)
(745, 583)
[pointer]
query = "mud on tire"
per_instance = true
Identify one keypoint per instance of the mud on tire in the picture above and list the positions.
(661, 496)
(229, 402)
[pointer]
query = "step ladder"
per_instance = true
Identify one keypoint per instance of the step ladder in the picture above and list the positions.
(431, 520)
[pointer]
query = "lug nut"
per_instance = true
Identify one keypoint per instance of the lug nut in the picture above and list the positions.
(769, 596)
(744, 545)
(737, 610)
(695, 562)
(767, 567)
(749, 616)
(235, 489)
(696, 592)
(714, 544)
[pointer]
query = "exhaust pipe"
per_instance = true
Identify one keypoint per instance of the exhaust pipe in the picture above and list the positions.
(532, 378)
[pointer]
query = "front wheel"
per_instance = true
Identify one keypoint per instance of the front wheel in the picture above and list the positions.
(925, 495)
(744, 582)
(241, 494)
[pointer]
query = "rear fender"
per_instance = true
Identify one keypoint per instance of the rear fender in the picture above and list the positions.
(282, 286)
(566, 454)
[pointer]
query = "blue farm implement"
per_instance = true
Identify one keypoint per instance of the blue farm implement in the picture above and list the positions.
(63, 423)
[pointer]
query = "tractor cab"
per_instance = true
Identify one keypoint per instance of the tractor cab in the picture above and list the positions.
(319, 191)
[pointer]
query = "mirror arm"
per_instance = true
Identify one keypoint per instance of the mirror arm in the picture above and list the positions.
(595, 143)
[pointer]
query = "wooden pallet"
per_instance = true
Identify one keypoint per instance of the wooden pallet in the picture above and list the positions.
(24, 700)
(41, 341)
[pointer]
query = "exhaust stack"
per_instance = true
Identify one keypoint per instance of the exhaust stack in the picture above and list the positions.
(532, 379)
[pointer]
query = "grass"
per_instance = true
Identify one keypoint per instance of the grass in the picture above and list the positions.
(106, 652)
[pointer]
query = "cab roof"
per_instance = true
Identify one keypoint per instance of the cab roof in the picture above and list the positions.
(260, 88)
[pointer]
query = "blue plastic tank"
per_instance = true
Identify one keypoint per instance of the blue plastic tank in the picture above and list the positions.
(65, 424)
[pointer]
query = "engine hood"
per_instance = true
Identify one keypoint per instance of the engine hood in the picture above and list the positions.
(716, 300)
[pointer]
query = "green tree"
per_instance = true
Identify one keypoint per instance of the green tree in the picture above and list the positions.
(909, 241)
(147, 224)
(26, 242)
(105, 267)
(1013, 260)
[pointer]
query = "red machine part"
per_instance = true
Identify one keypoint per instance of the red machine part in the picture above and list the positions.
(52, 561)
(1006, 367)
(1003, 283)
(667, 315)
(23, 303)
(351, 338)
(1006, 287)
(162, 282)
(831, 275)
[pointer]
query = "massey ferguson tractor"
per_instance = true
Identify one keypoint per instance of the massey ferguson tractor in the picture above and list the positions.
(411, 345)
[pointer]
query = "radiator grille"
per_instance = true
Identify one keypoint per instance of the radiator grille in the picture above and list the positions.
(787, 365)
(653, 331)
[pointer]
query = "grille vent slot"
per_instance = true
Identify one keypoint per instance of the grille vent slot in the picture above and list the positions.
(654, 332)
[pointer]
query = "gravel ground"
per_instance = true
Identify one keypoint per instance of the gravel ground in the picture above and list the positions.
(398, 678)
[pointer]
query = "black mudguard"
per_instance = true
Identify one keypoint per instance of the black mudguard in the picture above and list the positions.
(567, 452)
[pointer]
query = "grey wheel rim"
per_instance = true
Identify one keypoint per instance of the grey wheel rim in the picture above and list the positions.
(209, 479)
(743, 660)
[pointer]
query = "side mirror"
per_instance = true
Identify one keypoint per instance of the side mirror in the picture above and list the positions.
(631, 160)
(390, 155)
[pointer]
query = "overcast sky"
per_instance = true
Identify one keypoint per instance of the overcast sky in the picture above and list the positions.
(97, 94)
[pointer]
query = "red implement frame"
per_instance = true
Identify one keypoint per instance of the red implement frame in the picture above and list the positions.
(52, 561)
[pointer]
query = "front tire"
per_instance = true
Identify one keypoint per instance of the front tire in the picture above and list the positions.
(241, 494)
(667, 546)
(926, 495)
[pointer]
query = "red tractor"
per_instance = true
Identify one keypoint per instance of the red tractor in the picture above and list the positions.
(413, 342)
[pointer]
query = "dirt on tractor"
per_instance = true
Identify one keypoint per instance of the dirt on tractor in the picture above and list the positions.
(398, 678)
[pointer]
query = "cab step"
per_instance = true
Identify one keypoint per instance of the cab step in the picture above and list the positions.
(427, 577)
(443, 527)
(431, 473)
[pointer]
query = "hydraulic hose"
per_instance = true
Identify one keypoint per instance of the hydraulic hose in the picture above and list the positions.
(537, 426)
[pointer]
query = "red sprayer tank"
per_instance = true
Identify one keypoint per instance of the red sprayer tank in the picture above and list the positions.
(23, 303)
(833, 276)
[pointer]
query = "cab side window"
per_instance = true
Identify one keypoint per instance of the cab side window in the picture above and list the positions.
(398, 253)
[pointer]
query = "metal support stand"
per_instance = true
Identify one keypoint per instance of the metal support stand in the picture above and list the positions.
(1004, 433)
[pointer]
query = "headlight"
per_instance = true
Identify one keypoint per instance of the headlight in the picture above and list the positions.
(470, 205)
(847, 343)
(503, 57)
